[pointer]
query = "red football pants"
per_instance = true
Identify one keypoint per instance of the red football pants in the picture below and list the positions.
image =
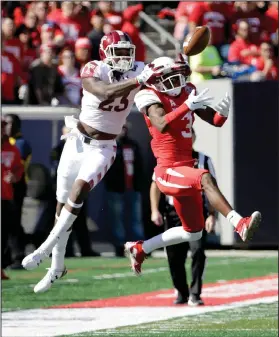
(184, 185)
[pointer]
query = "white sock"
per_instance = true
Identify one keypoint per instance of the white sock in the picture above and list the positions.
(234, 218)
(59, 250)
(64, 222)
(170, 237)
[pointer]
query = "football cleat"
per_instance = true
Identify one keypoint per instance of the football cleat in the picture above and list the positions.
(134, 251)
(247, 226)
(34, 259)
(51, 276)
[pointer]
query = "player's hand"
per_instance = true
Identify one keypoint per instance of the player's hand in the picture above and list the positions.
(210, 223)
(150, 75)
(157, 218)
(199, 101)
(223, 107)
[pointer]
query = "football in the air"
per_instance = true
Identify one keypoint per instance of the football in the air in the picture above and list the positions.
(197, 42)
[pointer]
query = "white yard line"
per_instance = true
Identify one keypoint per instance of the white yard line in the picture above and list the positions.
(55, 322)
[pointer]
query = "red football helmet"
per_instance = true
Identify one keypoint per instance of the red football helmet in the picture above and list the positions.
(117, 50)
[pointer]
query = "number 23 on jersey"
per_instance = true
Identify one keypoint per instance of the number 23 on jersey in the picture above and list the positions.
(115, 105)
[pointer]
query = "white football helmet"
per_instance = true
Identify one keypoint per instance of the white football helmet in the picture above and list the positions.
(174, 75)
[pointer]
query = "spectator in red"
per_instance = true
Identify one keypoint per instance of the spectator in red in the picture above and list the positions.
(215, 15)
(260, 24)
(114, 18)
(242, 50)
(266, 63)
(272, 14)
(20, 11)
(29, 51)
(30, 21)
(71, 25)
(70, 77)
(11, 72)
(131, 27)
(11, 43)
(96, 34)
(45, 81)
(11, 172)
(41, 11)
(183, 12)
(82, 51)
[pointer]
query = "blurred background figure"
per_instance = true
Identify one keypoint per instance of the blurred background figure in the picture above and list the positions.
(123, 183)
(70, 78)
(82, 51)
(131, 26)
(11, 172)
(96, 34)
(13, 80)
(11, 43)
(45, 81)
(177, 254)
(13, 131)
(206, 65)
(113, 18)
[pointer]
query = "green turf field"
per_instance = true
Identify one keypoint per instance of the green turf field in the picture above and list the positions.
(255, 321)
(98, 278)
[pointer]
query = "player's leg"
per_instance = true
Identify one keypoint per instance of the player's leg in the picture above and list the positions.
(92, 170)
(245, 227)
(66, 174)
(189, 210)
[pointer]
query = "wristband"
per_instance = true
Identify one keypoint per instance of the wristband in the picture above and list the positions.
(177, 113)
(219, 120)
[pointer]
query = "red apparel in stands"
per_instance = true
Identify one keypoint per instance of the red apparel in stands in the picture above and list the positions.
(185, 8)
(215, 15)
(130, 15)
(272, 74)
(128, 157)
(260, 25)
(15, 47)
(72, 27)
(272, 16)
(10, 71)
(113, 18)
(10, 163)
(236, 49)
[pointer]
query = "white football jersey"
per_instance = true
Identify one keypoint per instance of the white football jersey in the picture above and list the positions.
(110, 115)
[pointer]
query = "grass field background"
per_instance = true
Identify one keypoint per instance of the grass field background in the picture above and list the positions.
(98, 278)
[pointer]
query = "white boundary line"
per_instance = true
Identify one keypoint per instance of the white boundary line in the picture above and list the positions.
(55, 322)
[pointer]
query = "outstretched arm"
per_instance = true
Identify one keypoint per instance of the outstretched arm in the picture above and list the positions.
(218, 115)
(163, 121)
(108, 91)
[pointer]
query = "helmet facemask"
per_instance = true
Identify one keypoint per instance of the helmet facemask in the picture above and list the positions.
(171, 83)
(118, 62)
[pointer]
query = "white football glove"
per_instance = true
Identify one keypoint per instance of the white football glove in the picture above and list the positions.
(199, 101)
(23, 91)
(149, 75)
(223, 107)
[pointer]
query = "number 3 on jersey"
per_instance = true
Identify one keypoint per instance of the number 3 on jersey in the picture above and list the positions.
(111, 104)
(189, 119)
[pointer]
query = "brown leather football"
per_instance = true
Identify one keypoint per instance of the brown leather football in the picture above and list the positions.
(197, 42)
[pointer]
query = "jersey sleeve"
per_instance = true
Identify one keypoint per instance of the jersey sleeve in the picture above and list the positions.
(145, 98)
(91, 69)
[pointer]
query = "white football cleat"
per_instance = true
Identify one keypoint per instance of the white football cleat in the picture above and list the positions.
(34, 259)
(51, 276)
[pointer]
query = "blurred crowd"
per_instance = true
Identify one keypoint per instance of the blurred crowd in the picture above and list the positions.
(45, 44)
(244, 38)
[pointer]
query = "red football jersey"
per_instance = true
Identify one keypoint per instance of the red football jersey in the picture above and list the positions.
(10, 162)
(174, 147)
